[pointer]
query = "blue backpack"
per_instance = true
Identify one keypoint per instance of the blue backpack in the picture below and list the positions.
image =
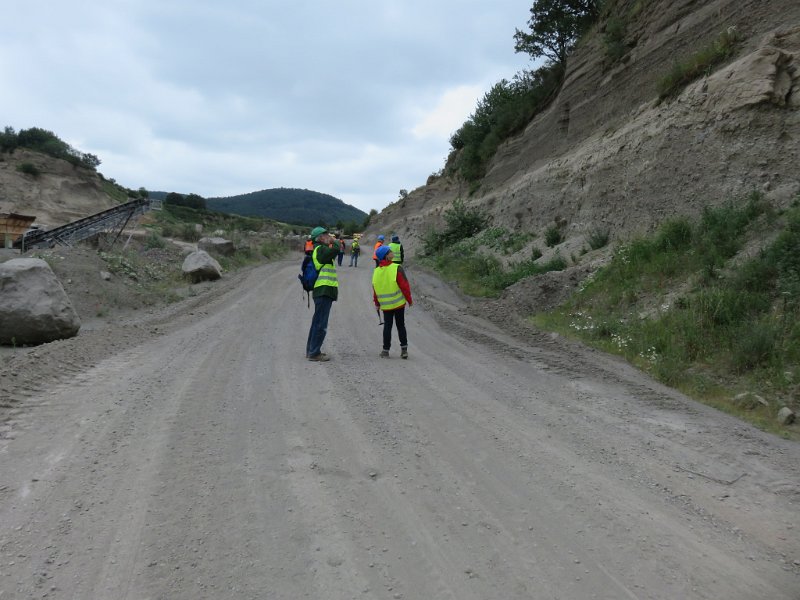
(308, 276)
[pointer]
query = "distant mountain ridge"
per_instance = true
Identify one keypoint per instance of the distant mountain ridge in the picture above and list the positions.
(288, 205)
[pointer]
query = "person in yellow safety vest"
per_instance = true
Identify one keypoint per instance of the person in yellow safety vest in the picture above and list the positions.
(390, 293)
(397, 250)
(355, 250)
(326, 291)
(378, 244)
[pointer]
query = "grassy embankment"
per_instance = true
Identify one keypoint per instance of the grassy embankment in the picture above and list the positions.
(687, 304)
(153, 265)
(690, 307)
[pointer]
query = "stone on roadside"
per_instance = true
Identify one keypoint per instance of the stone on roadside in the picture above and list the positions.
(749, 401)
(200, 266)
(216, 244)
(35, 308)
(786, 416)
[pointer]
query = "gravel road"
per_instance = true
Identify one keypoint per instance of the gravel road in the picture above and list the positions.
(193, 453)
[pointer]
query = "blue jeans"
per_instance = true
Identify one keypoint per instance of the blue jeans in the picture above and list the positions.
(319, 325)
(354, 260)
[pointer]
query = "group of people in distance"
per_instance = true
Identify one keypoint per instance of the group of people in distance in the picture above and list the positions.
(391, 291)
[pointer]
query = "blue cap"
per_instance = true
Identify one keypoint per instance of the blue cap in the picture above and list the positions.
(395, 238)
(382, 252)
(381, 238)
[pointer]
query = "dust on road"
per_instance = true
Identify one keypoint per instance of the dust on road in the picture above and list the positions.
(195, 453)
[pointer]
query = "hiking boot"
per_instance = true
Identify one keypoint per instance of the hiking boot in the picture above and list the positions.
(403, 352)
(384, 354)
(321, 357)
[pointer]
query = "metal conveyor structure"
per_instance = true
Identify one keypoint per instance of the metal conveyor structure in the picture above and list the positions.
(113, 220)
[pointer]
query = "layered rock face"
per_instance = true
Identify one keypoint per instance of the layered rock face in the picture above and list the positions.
(608, 153)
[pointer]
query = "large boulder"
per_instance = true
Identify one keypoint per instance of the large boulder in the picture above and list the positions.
(200, 266)
(217, 244)
(34, 308)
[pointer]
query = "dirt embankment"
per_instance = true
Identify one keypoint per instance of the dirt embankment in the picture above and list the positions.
(60, 193)
(607, 154)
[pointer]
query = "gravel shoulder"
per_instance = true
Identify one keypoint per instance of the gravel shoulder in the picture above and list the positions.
(189, 451)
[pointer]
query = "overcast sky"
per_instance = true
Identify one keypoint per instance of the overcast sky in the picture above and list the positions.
(353, 98)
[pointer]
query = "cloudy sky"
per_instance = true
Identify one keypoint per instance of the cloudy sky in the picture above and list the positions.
(354, 98)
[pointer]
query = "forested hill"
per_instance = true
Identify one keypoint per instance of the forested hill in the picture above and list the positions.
(290, 205)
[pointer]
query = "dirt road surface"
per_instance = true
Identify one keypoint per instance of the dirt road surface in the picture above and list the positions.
(194, 453)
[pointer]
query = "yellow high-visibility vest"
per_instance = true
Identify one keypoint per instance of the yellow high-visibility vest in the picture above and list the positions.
(395, 247)
(327, 272)
(384, 282)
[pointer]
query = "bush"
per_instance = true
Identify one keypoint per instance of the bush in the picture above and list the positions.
(754, 345)
(614, 39)
(461, 223)
(29, 169)
(675, 234)
(552, 236)
(188, 232)
(598, 237)
(153, 240)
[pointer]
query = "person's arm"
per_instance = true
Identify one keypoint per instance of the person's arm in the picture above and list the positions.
(375, 298)
(404, 286)
(326, 254)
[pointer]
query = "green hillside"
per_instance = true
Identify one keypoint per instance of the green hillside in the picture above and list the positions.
(302, 207)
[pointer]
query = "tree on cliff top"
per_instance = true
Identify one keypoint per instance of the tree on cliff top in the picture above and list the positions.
(555, 26)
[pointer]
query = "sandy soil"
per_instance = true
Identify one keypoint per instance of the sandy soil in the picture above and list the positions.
(190, 451)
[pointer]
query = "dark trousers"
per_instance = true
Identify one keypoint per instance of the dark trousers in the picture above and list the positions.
(319, 325)
(397, 316)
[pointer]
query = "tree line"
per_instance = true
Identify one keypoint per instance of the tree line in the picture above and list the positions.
(553, 30)
(46, 142)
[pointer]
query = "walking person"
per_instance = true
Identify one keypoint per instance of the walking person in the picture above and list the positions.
(397, 249)
(355, 250)
(390, 293)
(325, 293)
(341, 246)
(308, 248)
(378, 244)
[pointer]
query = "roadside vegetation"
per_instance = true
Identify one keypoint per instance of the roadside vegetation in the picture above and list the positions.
(697, 65)
(694, 310)
(255, 238)
(465, 252)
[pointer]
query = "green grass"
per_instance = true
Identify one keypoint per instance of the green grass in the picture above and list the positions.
(675, 305)
(457, 252)
(697, 65)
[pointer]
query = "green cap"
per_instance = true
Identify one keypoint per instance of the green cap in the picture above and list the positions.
(317, 231)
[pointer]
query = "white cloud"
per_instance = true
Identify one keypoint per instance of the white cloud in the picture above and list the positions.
(356, 99)
(452, 109)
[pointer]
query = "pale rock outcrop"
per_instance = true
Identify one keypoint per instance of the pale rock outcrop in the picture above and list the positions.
(200, 266)
(216, 244)
(34, 308)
